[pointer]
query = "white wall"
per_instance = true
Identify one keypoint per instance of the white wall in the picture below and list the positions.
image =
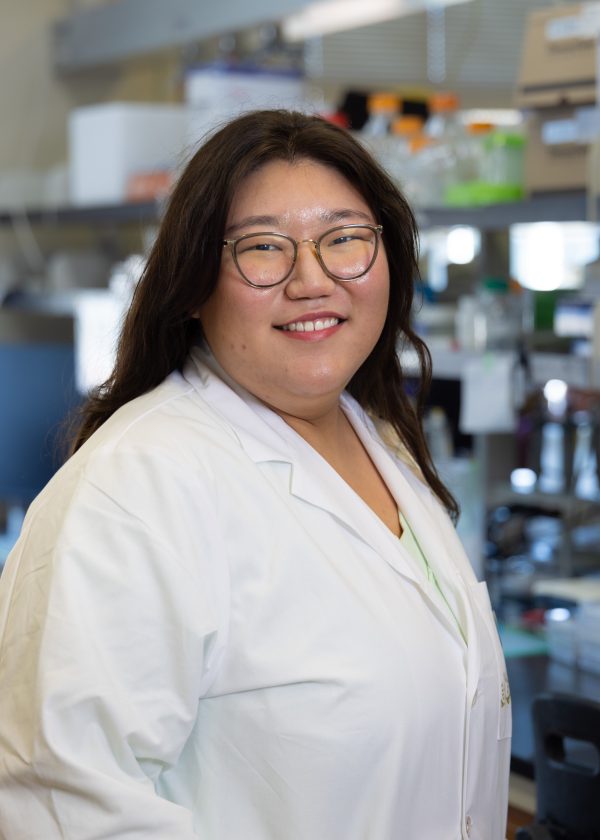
(34, 102)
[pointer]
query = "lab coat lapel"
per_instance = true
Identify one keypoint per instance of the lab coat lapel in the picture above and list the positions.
(424, 514)
(317, 483)
(414, 499)
(267, 439)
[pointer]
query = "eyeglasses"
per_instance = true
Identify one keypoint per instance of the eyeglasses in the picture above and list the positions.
(344, 253)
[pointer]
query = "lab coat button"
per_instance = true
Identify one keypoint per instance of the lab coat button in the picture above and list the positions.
(475, 697)
(468, 825)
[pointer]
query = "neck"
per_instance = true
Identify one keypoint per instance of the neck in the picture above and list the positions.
(326, 432)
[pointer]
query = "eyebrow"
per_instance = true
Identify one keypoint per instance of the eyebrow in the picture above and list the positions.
(329, 216)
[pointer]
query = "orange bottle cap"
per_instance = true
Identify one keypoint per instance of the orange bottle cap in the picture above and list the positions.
(407, 125)
(441, 103)
(378, 102)
(477, 128)
(421, 141)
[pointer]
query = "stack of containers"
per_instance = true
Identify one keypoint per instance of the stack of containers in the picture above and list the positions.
(558, 89)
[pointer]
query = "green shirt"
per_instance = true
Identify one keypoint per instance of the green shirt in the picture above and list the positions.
(409, 542)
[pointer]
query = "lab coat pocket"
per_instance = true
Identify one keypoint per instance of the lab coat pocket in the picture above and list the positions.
(491, 650)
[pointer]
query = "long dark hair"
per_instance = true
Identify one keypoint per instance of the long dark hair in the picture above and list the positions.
(183, 268)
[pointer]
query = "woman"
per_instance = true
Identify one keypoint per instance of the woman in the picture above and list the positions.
(236, 612)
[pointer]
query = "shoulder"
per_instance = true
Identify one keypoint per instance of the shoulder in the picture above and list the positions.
(161, 448)
(172, 421)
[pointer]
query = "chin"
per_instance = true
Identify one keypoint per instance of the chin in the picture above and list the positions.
(323, 382)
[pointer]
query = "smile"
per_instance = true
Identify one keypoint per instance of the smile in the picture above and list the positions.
(311, 326)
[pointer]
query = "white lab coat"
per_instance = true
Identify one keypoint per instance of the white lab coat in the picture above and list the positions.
(205, 633)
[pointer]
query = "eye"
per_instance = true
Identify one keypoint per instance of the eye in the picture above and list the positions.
(342, 240)
(348, 237)
(260, 244)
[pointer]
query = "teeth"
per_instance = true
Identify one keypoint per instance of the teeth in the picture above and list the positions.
(311, 326)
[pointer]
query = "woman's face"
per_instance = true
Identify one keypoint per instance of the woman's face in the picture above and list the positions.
(300, 372)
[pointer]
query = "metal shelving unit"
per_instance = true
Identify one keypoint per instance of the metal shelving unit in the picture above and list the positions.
(567, 206)
(135, 213)
(564, 206)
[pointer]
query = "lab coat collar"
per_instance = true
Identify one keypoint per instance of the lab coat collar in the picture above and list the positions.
(265, 438)
(239, 409)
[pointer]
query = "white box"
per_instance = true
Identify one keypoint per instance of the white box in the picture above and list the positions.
(110, 142)
(216, 95)
(223, 88)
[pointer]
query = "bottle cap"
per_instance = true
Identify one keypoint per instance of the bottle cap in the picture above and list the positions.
(379, 102)
(419, 142)
(478, 128)
(407, 125)
(442, 103)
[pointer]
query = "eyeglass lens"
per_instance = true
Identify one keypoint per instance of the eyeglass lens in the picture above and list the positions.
(267, 258)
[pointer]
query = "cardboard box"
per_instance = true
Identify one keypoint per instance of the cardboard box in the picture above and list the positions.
(109, 143)
(553, 166)
(558, 62)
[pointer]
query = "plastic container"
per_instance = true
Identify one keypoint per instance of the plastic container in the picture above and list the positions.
(498, 174)
(561, 636)
(376, 133)
(499, 315)
(503, 159)
(439, 436)
(474, 149)
(383, 109)
(469, 324)
(395, 150)
(445, 156)
(443, 124)
(422, 184)
(552, 458)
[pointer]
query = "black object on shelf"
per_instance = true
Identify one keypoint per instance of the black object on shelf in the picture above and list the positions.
(568, 783)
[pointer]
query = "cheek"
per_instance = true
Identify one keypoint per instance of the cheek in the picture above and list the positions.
(232, 317)
(378, 299)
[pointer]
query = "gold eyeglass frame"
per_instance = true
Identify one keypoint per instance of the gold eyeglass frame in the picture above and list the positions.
(232, 243)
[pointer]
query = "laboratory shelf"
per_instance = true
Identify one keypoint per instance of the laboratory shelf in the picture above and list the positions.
(447, 363)
(564, 206)
(146, 212)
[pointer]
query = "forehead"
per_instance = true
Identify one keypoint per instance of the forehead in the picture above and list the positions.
(287, 190)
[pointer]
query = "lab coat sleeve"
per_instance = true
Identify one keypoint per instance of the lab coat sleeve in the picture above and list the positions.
(112, 630)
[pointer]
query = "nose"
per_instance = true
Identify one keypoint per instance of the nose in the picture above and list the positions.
(308, 279)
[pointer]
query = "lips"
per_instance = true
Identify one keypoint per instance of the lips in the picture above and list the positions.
(311, 326)
(312, 322)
